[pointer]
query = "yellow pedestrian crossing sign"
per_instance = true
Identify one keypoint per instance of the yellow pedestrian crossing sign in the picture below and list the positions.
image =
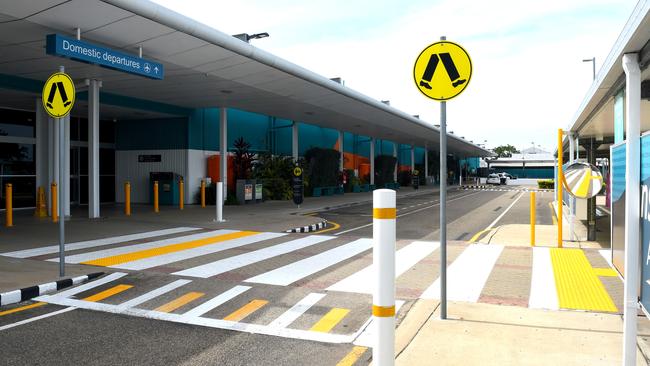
(58, 95)
(297, 171)
(448, 81)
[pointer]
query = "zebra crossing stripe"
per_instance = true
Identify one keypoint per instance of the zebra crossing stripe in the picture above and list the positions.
(293, 272)
(95, 243)
(216, 301)
(296, 311)
(85, 257)
(90, 285)
(153, 294)
(405, 258)
(543, 294)
(242, 260)
(467, 274)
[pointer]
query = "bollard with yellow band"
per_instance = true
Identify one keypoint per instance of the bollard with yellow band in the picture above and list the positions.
(9, 209)
(55, 202)
(127, 198)
(41, 206)
(532, 218)
(560, 186)
(156, 208)
(181, 194)
(383, 256)
(202, 193)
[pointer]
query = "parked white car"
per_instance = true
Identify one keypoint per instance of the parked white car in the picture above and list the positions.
(493, 179)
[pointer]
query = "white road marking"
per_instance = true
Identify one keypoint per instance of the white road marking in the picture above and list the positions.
(467, 275)
(367, 336)
(84, 257)
(95, 243)
(153, 294)
(293, 272)
(296, 311)
(85, 287)
(163, 259)
(543, 293)
(405, 258)
(503, 213)
(12, 325)
(238, 261)
(216, 301)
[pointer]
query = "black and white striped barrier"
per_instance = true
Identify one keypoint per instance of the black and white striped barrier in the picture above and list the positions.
(309, 228)
(27, 293)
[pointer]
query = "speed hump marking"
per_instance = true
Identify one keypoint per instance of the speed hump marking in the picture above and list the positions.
(448, 81)
(297, 171)
(58, 95)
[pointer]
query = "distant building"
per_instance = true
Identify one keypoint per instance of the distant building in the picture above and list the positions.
(530, 163)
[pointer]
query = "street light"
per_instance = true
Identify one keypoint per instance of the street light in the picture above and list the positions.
(247, 37)
(593, 66)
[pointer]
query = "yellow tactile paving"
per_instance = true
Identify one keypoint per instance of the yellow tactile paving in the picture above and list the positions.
(352, 357)
(329, 320)
(606, 272)
(245, 310)
(179, 302)
(147, 253)
(107, 293)
(578, 286)
(26, 307)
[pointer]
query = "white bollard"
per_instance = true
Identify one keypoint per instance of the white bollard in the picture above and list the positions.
(219, 202)
(383, 260)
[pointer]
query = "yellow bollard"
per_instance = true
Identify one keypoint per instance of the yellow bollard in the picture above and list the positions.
(181, 194)
(9, 218)
(127, 198)
(532, 219)
(560, 174)
(55, 202)
(155, 197)
(202, 193)
(41, 207)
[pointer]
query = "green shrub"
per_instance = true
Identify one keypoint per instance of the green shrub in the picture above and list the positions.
(404, 178)
(546, 183)
(322, 167)
(274, 172)
(384, 169)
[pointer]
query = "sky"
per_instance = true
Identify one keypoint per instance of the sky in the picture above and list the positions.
(528, 75)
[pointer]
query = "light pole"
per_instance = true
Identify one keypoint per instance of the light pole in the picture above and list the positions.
(247, 37)
(593, 66)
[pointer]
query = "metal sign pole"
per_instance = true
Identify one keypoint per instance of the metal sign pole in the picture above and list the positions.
(443, 207)
(62, 188)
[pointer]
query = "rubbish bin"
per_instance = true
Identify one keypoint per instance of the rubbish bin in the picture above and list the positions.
(168, 189)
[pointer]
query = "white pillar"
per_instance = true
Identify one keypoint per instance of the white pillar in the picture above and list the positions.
(412, 158)
(93, 150)
(426, 164)
(294, 141)
(396, 161)
(42, 147)
(372, 160)
(632, 204)
(66, 166)
(223, 149)
(342, 156)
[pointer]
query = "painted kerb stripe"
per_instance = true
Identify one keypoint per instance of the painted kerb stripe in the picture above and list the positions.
(28, 293)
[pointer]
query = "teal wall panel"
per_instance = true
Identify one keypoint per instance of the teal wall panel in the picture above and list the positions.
(252, 127)
(151, 134)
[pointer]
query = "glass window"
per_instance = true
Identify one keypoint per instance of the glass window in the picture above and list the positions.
(17, 159)
(23, 191)
(107, 131)
(17, 123)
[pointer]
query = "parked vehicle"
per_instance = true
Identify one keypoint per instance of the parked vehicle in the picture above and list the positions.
(508, 175)
(493, 179)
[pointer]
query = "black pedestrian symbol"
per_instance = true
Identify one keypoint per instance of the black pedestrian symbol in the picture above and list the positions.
(64, 96)
(449, 65)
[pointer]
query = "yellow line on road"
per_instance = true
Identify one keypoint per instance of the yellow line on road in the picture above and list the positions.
(335, 226)
(578, 286)
(329, 321)
(550, 205)
(107, 293)
(245, 310)
(147, 253)
(179, 302)
(26, 307)
(352, 357)
(475, 237)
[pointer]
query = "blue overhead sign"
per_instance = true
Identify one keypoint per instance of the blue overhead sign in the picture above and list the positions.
(75, 49)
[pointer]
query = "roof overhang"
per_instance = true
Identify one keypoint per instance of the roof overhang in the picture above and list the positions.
(203, 68)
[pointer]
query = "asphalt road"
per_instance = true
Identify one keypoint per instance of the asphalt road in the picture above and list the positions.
(99, 337)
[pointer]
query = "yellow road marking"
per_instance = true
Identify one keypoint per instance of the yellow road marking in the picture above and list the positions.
(26, 307)
(352, 357)
(605, 272)
(578, 286)
(245, 310)
(147, 253)
(475, 237)
(550, 205)
(329, 320)
(334, 227)
(177, 303)
(107, 293)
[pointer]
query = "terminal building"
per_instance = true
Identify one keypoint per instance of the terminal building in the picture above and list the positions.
(160, 92)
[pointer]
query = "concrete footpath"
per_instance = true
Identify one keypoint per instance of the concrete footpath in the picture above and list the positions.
(485, 334)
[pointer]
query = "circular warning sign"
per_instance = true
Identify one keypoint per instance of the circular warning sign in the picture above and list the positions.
(58, 95)
(297, 171)
(583, 180)
(442, 71)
